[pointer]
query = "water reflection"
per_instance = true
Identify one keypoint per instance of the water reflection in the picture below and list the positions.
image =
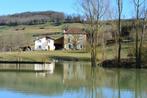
(138, 84)
(74, 70)
(45, 69)
(75, 80)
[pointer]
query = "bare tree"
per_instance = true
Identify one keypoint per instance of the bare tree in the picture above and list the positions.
(94, 11)
(143, 26)
(120, 7)
(138, 43)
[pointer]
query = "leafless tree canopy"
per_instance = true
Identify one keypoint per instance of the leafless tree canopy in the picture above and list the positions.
(94, 10)
(138, 5)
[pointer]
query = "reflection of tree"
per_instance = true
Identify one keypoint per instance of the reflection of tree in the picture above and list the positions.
(137, 84)
(118, 81)
(91, 90)
(95, 90)
(93, 81)
(126, 78)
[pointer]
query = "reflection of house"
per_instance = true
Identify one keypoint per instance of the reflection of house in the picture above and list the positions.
(49, 68)
(74, 39)
(44, 43)
(73, 70)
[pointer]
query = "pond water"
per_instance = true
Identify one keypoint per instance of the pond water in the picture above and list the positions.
(70, 80)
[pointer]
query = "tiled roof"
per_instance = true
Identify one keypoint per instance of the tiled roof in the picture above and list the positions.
(75, 31)
(54, 36)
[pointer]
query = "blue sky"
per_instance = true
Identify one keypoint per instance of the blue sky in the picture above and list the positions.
(17, 6)
(66, 6)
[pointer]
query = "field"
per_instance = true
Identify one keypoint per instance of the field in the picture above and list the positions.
(13, 37)
(31, 29)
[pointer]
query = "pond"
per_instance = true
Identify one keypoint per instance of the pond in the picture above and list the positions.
(70, 80)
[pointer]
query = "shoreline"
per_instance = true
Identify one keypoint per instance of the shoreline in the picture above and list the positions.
(22, 62)
(125, 63)
(44, 56)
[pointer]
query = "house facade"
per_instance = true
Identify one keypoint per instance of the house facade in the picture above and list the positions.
(71, 39)
(44, 43)
(74, 39)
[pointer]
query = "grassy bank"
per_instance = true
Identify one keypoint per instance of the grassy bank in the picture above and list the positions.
(45, 55)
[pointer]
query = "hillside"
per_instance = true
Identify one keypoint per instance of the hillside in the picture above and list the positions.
(13, 37)
(42, 17)
(31, 18)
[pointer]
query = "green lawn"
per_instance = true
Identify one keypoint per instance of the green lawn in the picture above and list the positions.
(44, 55)
(64, 55)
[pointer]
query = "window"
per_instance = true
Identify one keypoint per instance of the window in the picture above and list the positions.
(69, 45)
(39, 47)
(69, 40)
(81, 46)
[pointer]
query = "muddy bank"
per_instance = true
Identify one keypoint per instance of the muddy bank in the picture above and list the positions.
(67, 58)
(125, 63)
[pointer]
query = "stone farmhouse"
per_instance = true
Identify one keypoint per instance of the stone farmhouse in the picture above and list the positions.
(71, 39)
(75, 39)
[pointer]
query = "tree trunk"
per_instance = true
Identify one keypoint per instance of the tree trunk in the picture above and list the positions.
(136, 52)
(93, 58)
(140, 46)
(137, 39)
(93, 52)
(119, 32)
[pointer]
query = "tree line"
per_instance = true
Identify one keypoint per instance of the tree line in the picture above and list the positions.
(34, 18)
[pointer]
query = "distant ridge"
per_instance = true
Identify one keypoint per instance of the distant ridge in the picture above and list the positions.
(31, 18)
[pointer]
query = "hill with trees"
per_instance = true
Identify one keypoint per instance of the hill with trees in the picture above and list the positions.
(35, 18)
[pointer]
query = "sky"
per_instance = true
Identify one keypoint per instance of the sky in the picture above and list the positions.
(17, 6)
(67, 6)
(127, 8)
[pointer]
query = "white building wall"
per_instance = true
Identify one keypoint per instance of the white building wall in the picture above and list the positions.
(44, 44)
(51, 44)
